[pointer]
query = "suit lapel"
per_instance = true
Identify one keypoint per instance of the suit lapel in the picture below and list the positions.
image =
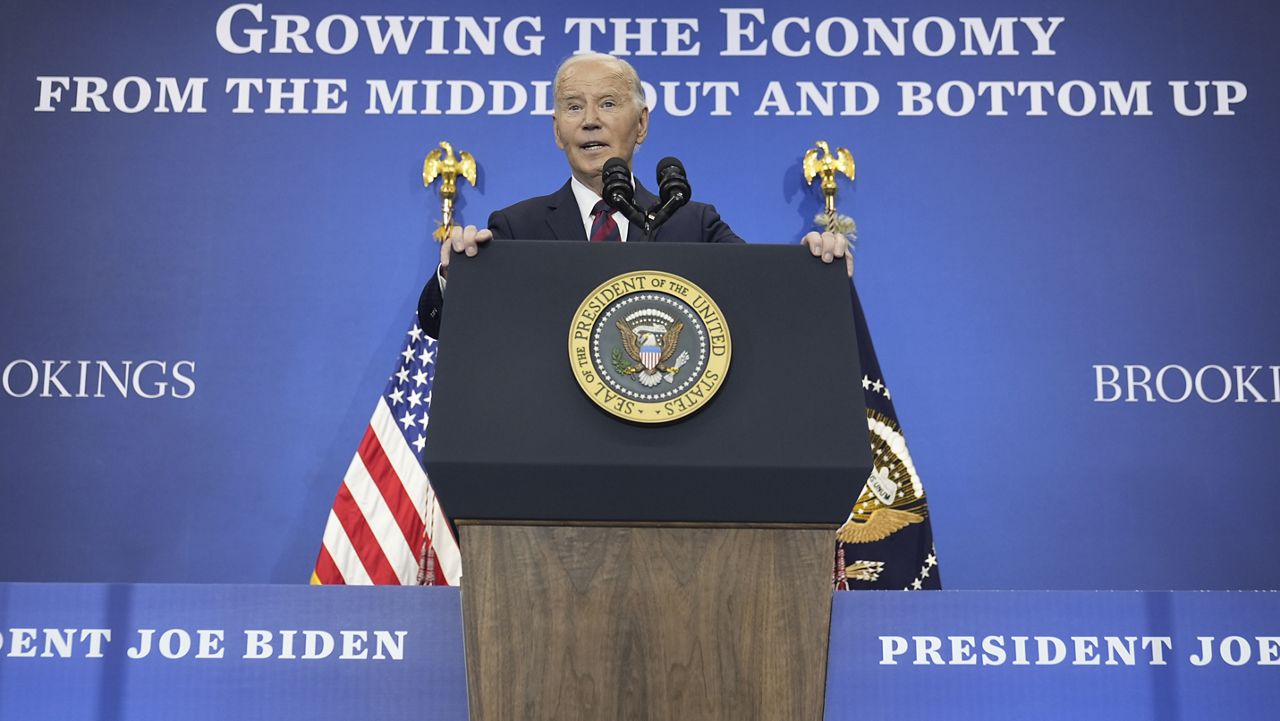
(563, 217)
(566, 223)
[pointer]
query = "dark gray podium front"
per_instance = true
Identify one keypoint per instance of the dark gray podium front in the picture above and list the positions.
(617, 570)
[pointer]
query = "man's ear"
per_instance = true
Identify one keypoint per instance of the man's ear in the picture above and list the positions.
(642, 128)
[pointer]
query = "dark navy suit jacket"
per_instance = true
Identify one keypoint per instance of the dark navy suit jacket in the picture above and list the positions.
(556, 217)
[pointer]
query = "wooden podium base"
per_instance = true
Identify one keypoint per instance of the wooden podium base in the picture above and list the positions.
(609, 623)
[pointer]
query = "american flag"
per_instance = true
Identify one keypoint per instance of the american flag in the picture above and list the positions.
(386, 526)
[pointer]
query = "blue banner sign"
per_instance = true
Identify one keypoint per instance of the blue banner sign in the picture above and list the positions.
(160, 652)
(220, 652)
(997, 655)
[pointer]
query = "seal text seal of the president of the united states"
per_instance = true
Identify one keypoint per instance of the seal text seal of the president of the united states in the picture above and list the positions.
(649, 346)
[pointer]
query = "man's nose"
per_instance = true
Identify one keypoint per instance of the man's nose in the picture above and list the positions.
(590, 118)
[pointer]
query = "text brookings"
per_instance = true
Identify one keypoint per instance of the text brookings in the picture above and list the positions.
(149, 379)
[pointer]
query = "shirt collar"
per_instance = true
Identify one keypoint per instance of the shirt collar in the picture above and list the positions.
(587, 199)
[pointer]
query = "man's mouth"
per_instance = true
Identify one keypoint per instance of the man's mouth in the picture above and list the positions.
(593, 145)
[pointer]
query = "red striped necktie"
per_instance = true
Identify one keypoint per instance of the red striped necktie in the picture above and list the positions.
(603, 227)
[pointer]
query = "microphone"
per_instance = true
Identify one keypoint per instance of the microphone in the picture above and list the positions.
(673, 191)
(620, 194)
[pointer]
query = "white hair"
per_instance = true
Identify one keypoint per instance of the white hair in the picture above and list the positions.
(622, 66)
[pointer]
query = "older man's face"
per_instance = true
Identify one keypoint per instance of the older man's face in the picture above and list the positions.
(596, 118)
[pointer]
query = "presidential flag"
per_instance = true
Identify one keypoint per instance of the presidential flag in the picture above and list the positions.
(887, 542)
(386, 526)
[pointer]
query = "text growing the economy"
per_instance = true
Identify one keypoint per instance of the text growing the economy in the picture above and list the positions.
(1028, 74)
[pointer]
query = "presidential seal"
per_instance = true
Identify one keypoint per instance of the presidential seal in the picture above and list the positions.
(649, 346)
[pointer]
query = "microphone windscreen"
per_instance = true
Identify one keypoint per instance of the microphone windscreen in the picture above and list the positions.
(667, 165)
(616, 179)
(672, 182)
(616, 165)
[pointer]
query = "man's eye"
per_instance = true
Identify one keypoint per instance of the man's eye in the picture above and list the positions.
(609, 104)
(573, 107)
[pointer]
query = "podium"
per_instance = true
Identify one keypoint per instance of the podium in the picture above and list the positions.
(618, 570)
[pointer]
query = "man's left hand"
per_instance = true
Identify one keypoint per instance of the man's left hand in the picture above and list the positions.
(829, 246)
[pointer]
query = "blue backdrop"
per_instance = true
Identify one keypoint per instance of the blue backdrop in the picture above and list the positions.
(255, 270)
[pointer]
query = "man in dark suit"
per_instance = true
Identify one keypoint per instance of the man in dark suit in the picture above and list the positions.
(599, 113)
(557, 217)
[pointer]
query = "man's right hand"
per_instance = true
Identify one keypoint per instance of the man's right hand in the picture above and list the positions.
(462, 240)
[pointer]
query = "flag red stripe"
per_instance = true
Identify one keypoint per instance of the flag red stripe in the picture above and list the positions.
(326, 570)
(363, 539)
(392, 489)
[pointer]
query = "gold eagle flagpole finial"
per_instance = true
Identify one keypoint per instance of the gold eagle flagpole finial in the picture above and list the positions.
(445, 166)
(820, 161)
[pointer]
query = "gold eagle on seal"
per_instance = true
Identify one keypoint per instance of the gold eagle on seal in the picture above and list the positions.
(882, 523)
(650, 355)
(892, 497)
